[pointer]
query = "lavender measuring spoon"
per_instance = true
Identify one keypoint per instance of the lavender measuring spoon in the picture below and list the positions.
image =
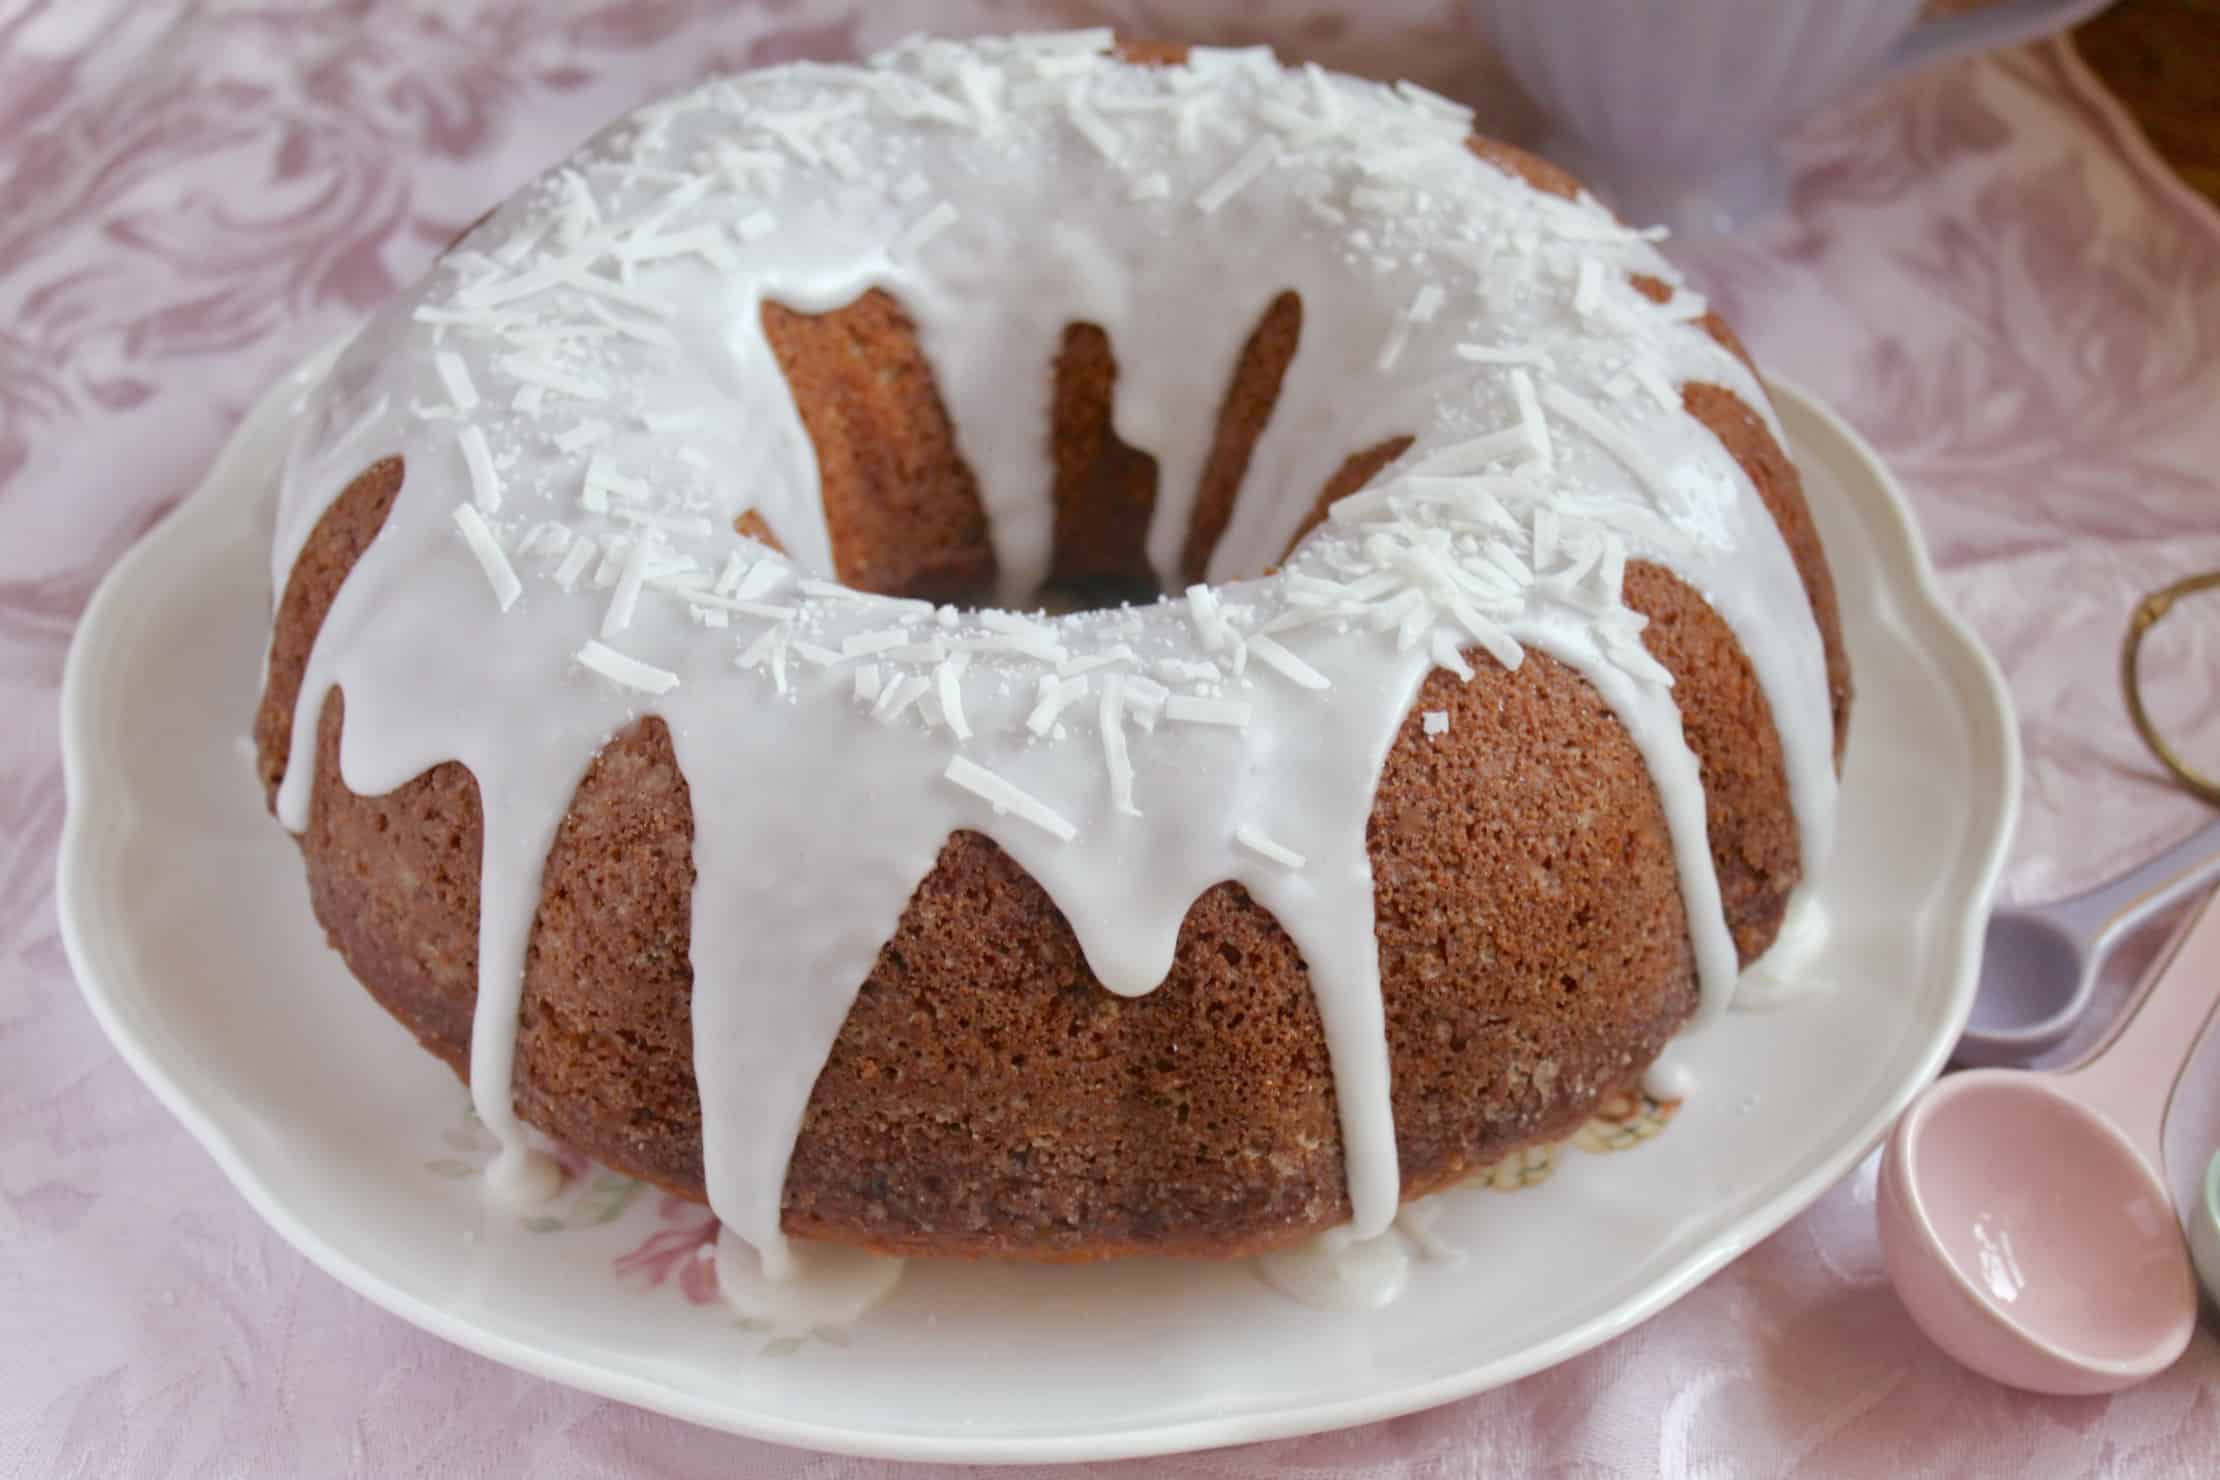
(2023, 1216)
(2040, 963)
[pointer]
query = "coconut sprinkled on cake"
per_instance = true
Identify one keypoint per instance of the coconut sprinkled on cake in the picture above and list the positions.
(570, 319)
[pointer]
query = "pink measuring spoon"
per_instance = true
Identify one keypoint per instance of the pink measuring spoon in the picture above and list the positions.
(2024, 1219)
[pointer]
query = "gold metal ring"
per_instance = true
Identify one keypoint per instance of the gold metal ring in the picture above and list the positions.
(2148, 613)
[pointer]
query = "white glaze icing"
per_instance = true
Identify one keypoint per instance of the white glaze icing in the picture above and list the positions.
(1785, 973)
(1417, 1223)
(521, 1174)
(824, 1285)
(605, 326)
(1337, 1271)
(1669, 1077)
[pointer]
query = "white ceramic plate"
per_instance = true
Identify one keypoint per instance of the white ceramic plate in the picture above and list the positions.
(188, 923)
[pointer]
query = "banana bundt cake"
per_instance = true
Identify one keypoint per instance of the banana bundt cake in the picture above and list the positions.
(1048, 649)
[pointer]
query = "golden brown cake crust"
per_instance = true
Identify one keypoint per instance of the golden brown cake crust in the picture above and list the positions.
(987, 1095)
(1104, 490)
(1248, 403)
(901, 505)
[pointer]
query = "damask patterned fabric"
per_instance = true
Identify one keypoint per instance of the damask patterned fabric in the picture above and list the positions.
(1984, 269)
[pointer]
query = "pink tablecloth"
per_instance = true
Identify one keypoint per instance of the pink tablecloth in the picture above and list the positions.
(1986, 270)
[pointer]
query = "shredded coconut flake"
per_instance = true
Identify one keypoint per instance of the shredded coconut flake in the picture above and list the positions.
(1055, 695)
(1004, 797)
(1653, 380)
(706, 242)
(1254, 161)
(1322, 92)
(626, 597)
(581, 437)
(926, 227)
(1025, 634)
(763, 577)
(575, 560)
(1588, 287)
(1144, 700)
(654, 334)
(533, 370)
(1275, 656)
(1112, 717)
(455, 375)
(1470, 455)
(1435, 721)
(1498, 354)
(603, 479)
(769, 650)
(1434, 103)
(1105, 659)
(728, 574)
(547, 538)
(1399, 335)
(1446, 655)
(696, 525)
(1622, 447)
(1499, 644)
(1190, 709)
(479, 536)
(1531, 419)
(864, 644)
(952, 700)
(1544, 546)
(629, 671)
(1209, 618)
(899, 696)
(507, 290)
(1253, 838)
(485, 483)
(1090, 125)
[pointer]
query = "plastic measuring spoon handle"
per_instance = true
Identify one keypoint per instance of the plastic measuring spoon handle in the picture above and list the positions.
(2109, 911)
(2131, 1079)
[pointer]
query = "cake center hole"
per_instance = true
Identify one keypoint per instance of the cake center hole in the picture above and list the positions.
(903, 508)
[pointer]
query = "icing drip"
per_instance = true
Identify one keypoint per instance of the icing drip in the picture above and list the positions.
(1784, 973)
(819, 1285)
(1337, 1271)
(521, 1174)
(1669, 1078)
(586, 402)
(510, 866)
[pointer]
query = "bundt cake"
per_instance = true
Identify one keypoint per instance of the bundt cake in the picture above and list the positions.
(1048, 649)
